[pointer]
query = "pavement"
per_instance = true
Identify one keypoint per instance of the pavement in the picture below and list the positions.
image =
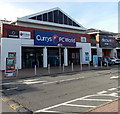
(109, 107)
(31, 72)
(6, 108)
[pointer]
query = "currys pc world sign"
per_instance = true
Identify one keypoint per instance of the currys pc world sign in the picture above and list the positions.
(53, 38)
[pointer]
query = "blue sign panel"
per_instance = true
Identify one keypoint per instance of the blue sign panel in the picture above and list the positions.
(95, 60)
(53, 38)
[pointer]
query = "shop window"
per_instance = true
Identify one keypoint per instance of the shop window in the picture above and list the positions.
(56, 16)
(39, 17)
(45, 17)
(65, 19)
(70, 21)
(50, 16)
(60, 17)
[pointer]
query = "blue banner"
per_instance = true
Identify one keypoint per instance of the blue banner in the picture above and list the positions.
(54, 38)
(95, 60)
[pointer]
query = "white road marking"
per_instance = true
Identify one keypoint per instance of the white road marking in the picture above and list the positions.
(114, 94)
(36, 82)
(85, 106)
(59, 81)
(51, 111)
(12, 88)
(97, 100)
(69, 103)
(101, 92)
(29, 80)
(114, 77)
(9, 89)
(112, 89)
(54, 106)
(9, 83)
(50, 82)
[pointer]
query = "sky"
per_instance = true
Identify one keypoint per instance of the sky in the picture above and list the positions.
(96, 14)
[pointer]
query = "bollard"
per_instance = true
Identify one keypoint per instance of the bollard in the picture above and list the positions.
(48, 68)
(17, 71)
(101, 64)
(35, 71)
(89, 65)
(63, 68)
(107, 63)
(72, 66)
(81, 66)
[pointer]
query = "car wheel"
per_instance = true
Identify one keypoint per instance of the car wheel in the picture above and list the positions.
(105, 64)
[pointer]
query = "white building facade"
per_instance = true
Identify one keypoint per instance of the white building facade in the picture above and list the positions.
(49, 37)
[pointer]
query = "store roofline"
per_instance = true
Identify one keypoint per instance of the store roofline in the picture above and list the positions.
(49, 23)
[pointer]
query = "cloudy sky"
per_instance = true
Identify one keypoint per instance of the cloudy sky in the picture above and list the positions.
(93, 14)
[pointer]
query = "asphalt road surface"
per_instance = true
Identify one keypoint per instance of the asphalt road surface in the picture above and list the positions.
(67, 93)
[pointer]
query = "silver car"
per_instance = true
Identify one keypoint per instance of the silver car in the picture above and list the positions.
(115, 60)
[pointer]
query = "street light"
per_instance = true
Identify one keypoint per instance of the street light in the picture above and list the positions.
(60, 45)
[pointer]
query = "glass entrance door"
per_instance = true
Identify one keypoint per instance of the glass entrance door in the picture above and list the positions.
(31, 57)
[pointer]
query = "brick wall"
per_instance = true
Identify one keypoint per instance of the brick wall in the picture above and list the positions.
(7, 27)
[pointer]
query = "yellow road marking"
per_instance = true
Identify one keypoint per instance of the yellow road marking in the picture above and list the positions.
(5, 99)
(15, 106)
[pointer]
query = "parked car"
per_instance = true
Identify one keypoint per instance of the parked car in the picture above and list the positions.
(115, 60)
(107, 59)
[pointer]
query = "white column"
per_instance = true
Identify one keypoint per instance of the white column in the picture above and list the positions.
(65, 57)
(113, 53)
(99, 51)
(81, 58)
(45, 57)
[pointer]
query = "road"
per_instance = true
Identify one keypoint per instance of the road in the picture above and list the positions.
(66, 94)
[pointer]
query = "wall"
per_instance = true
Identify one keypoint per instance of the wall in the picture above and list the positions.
(10, 45)
(48, 27)
(31, 29)
(0, 57)
(113, 53)
(86, 47)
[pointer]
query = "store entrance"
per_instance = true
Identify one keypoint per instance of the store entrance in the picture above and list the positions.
(53, 56)
(74, 56)
(118, 53)
(93, 52)
(106, 52)
(32, 56)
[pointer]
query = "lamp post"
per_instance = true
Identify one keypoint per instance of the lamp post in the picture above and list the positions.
(60, 45)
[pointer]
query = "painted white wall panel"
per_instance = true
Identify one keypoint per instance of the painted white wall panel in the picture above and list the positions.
(10, 45)
(27, 41)
(85, 47)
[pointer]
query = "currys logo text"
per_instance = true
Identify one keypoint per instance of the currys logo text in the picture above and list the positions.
(44, 39)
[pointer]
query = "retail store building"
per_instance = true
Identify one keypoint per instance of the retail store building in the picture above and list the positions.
(48, 37)
(103, 43)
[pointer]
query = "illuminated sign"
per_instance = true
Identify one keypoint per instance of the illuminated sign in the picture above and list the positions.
(53, 38)
(107, 42)
(13, 33)
(24, 34)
